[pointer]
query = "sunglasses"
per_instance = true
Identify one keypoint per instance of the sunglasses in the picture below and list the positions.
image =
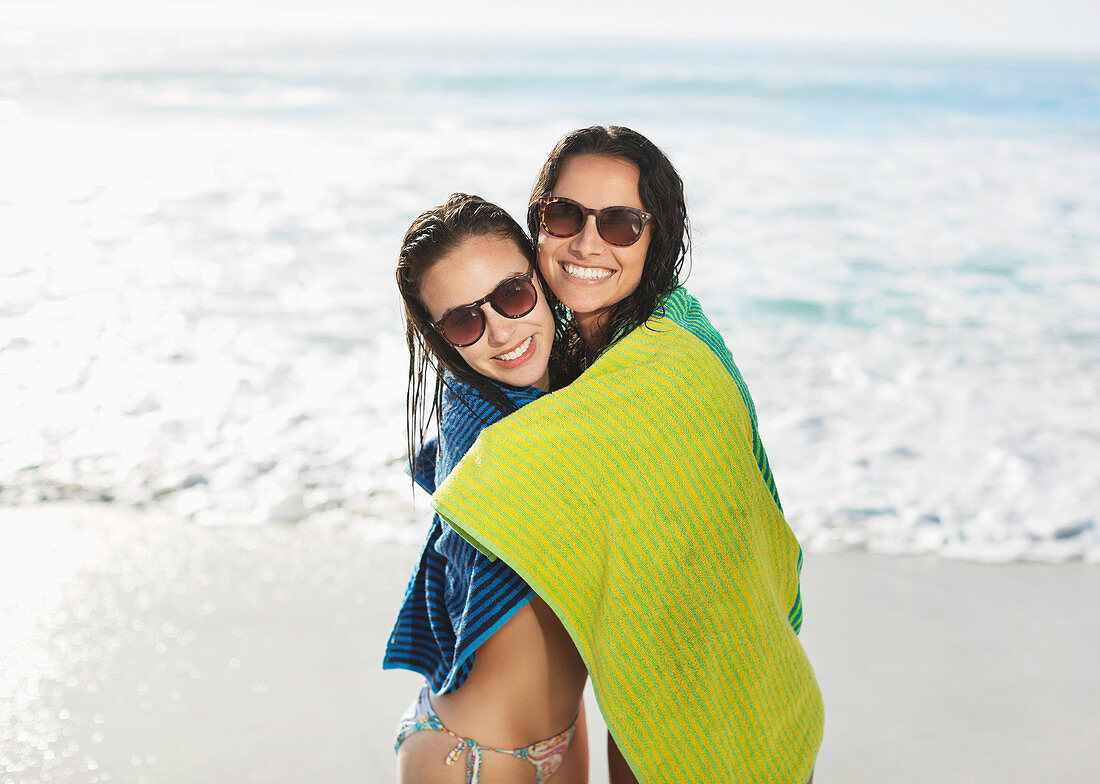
(513, 298)
(621, 226)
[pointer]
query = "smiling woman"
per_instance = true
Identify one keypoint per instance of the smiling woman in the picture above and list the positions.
(632, 218)
(503, 678)
(518, 327)
(589, 274)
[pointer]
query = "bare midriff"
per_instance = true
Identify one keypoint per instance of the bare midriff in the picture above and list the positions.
(525, 685)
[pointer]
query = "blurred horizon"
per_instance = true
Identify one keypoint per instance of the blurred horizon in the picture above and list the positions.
(1068, 27)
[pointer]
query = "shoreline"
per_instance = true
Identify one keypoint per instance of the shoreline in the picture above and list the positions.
(137, 648)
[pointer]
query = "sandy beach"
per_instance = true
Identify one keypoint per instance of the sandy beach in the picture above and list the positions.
(135, 648)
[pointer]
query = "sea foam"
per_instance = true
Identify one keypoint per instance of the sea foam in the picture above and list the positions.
(198, 233)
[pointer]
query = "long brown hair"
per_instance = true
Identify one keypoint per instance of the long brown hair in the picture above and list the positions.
(662, 193)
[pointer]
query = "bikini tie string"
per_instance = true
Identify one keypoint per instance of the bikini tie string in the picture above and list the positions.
(473, 760)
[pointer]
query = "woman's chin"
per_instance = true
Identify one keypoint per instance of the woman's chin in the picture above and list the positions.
(586, 302)
(520, 380)
(532, 375)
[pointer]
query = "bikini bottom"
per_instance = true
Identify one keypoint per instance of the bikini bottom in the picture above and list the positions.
(546, 755)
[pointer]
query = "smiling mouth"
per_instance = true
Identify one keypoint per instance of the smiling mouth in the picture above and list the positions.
(587, 273)
(517, 352)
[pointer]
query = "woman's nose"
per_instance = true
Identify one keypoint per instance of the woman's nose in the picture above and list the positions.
(498, 328)
(587, 241)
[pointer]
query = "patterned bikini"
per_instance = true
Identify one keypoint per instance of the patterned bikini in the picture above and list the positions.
(546, 755)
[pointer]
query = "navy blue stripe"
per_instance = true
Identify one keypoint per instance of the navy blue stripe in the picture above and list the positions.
(456, 595)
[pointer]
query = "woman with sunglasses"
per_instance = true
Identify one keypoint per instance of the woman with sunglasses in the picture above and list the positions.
(650, 520)
(504, 680)
(610, 274)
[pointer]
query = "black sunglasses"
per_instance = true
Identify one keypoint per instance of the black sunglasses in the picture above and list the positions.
(621, 226)
(513, 298)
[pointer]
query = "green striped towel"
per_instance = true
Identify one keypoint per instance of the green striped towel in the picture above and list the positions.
(638, 502)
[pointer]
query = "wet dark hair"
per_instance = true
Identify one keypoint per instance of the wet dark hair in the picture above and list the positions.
(434, 234)
(662, 193)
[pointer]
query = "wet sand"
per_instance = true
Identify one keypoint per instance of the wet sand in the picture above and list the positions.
(135, 648)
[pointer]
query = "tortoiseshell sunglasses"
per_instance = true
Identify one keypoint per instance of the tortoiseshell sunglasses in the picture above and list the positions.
(512, 298)
(619, 226)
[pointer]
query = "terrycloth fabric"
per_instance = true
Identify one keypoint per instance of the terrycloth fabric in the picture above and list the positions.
(639, 504)
(457, 597)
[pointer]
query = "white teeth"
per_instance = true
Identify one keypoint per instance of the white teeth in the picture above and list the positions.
(586, 272)
(518, 351)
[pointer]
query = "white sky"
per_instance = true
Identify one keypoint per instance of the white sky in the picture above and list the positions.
(1015, 24)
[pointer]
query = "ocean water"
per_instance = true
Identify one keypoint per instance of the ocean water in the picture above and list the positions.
(198, 230)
